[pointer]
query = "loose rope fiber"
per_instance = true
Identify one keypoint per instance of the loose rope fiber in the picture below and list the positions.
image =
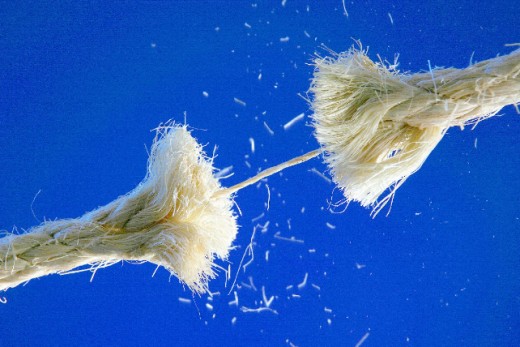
(377, 126)
(171, 219)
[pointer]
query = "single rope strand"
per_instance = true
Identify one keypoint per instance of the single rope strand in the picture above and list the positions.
(267, 172)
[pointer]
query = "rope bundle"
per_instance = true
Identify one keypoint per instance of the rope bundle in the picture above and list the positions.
(171, 219)
(377, 126)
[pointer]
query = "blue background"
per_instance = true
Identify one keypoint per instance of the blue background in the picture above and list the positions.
(83, 83)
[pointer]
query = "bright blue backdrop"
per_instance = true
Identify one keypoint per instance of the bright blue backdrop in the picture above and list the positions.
(83, 83)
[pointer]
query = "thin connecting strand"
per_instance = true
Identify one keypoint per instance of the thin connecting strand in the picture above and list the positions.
(267, 172)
